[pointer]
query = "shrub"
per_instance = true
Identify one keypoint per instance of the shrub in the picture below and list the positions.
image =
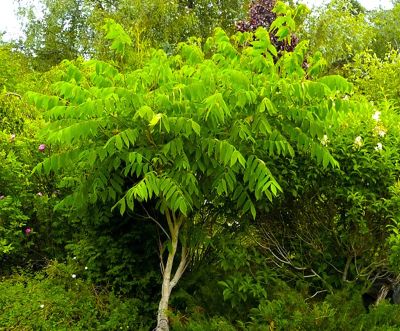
(376, 78)
(59, 298)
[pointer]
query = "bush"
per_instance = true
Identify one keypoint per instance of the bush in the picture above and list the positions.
(59, 298)
(376, 78)
(29, 229)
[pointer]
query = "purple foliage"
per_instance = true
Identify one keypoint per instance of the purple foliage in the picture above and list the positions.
(261, 14)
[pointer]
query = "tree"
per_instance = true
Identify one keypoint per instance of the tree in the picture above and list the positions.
(72, 28)
(338, 31)
(386, 29)
(13, 67)
(62, 32)
(203, 127)
(374, 77)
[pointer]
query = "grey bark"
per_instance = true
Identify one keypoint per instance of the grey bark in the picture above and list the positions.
(168, 284)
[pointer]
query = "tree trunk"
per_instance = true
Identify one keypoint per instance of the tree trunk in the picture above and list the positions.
(162, 317)
(168, 284)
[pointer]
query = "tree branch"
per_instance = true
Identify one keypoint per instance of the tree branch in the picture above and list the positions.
(169, 221)
(14, 95)
(346, 268)
(181, 267)
(316, 293)
(155, 221)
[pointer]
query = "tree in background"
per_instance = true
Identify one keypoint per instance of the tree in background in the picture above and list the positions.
(13, 67)
(339, 31)
(376, 78)
(61, 33)
(333, 228)
(73, 28)
(386, 30)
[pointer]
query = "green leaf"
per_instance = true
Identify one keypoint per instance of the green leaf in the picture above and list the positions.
(325, 161)
(156, 118)
(253, 210)
(195, 127)
(118, 142)
(336, 83)
(122, 206)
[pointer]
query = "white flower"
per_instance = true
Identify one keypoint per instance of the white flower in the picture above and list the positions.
(325, 140)
(74, 258)
(376, 116)
(73, 276)
(86, 268)
(378, 147)
(358, 141)
(382, 133)
(42, 306)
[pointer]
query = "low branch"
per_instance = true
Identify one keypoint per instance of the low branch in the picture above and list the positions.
(155, 221)
(333, 266)
(283, 257)
(181, 267)
(316, 293)
(313, 274)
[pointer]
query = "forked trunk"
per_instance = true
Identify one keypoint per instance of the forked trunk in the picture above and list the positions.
(168, 284)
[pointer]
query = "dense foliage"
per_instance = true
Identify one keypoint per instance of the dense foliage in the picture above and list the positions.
(200, 165)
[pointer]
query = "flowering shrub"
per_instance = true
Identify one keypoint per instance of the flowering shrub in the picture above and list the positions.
(42, 147)
(14, 188)
(349, 211)
(28, 225)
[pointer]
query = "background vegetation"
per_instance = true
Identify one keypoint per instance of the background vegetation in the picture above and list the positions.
(200, 165)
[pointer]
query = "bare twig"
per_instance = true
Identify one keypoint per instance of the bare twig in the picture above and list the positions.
(316, 293)
(333, 266)
(155, 221)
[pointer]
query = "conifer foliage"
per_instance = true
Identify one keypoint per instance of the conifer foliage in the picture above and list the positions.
(201, 125)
